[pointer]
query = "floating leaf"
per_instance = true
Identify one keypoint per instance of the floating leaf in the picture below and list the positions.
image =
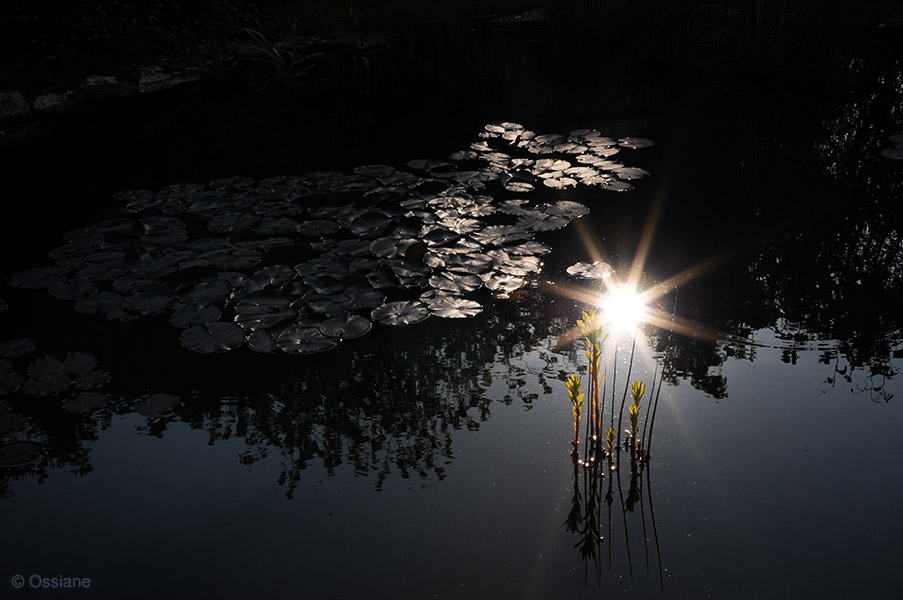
(345, 327)
(450, 307)
(213, 337)
(635, 142)
(595, 270)
(296, 339)
(194, 314)
(262, 341)
(502, 283)
(401, 312)
(497, 235)
(455, 282)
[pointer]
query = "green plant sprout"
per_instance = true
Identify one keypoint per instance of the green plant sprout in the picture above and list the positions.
(636, 391)
(573, 386)
(601, 445)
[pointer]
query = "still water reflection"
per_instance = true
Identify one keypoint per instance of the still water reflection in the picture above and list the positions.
(434, 458)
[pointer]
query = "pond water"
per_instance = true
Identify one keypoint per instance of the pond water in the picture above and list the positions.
(158, 456)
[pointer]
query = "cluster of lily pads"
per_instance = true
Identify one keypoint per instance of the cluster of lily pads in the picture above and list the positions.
(300, 263)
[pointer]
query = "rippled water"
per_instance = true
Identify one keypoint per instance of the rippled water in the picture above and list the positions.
(432, 459)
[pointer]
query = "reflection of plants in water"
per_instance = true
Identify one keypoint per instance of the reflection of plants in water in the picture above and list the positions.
(276, 63)
(591, 473)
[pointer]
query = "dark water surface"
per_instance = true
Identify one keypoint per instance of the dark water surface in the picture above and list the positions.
(432, 460)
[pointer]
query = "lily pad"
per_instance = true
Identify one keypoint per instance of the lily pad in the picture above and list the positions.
(194, 314)
(400, 312)
(345, 327)
(213, 337)
(595, 270)
(450, 307)
(455, 282)
(296, 339)
(635, 142)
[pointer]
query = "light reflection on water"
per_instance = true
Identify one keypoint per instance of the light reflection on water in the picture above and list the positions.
(761, 482)
(435, 461)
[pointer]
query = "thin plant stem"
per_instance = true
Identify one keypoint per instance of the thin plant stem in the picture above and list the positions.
(626, 387)
(658, 391)
(649, 405)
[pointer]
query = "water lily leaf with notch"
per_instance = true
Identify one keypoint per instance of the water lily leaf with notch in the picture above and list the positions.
(616, 186)
(296, 339)
(206, 292)
(635, 142)
(386, 247)
(559, 183)
(262, 341)
(107, 303)
(151, 302)
(455, 283)
(502, 283)
(400, 312)
(437, 236)
(595, 270)
(262, 302)
(370, 223)
(325, 305)
(360, 297)
(498, 235)
(542, 222)
(213, 337)
(461, 225)
(530, 248)
(271, 320)
(516, 207)
(346, 327)
(450, 307)
(565, 208)
(17, 347)
(468, 263)
(20, 454)
(630, 172)
(518, 187)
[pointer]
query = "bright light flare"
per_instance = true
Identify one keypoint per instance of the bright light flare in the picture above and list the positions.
(622, 308)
